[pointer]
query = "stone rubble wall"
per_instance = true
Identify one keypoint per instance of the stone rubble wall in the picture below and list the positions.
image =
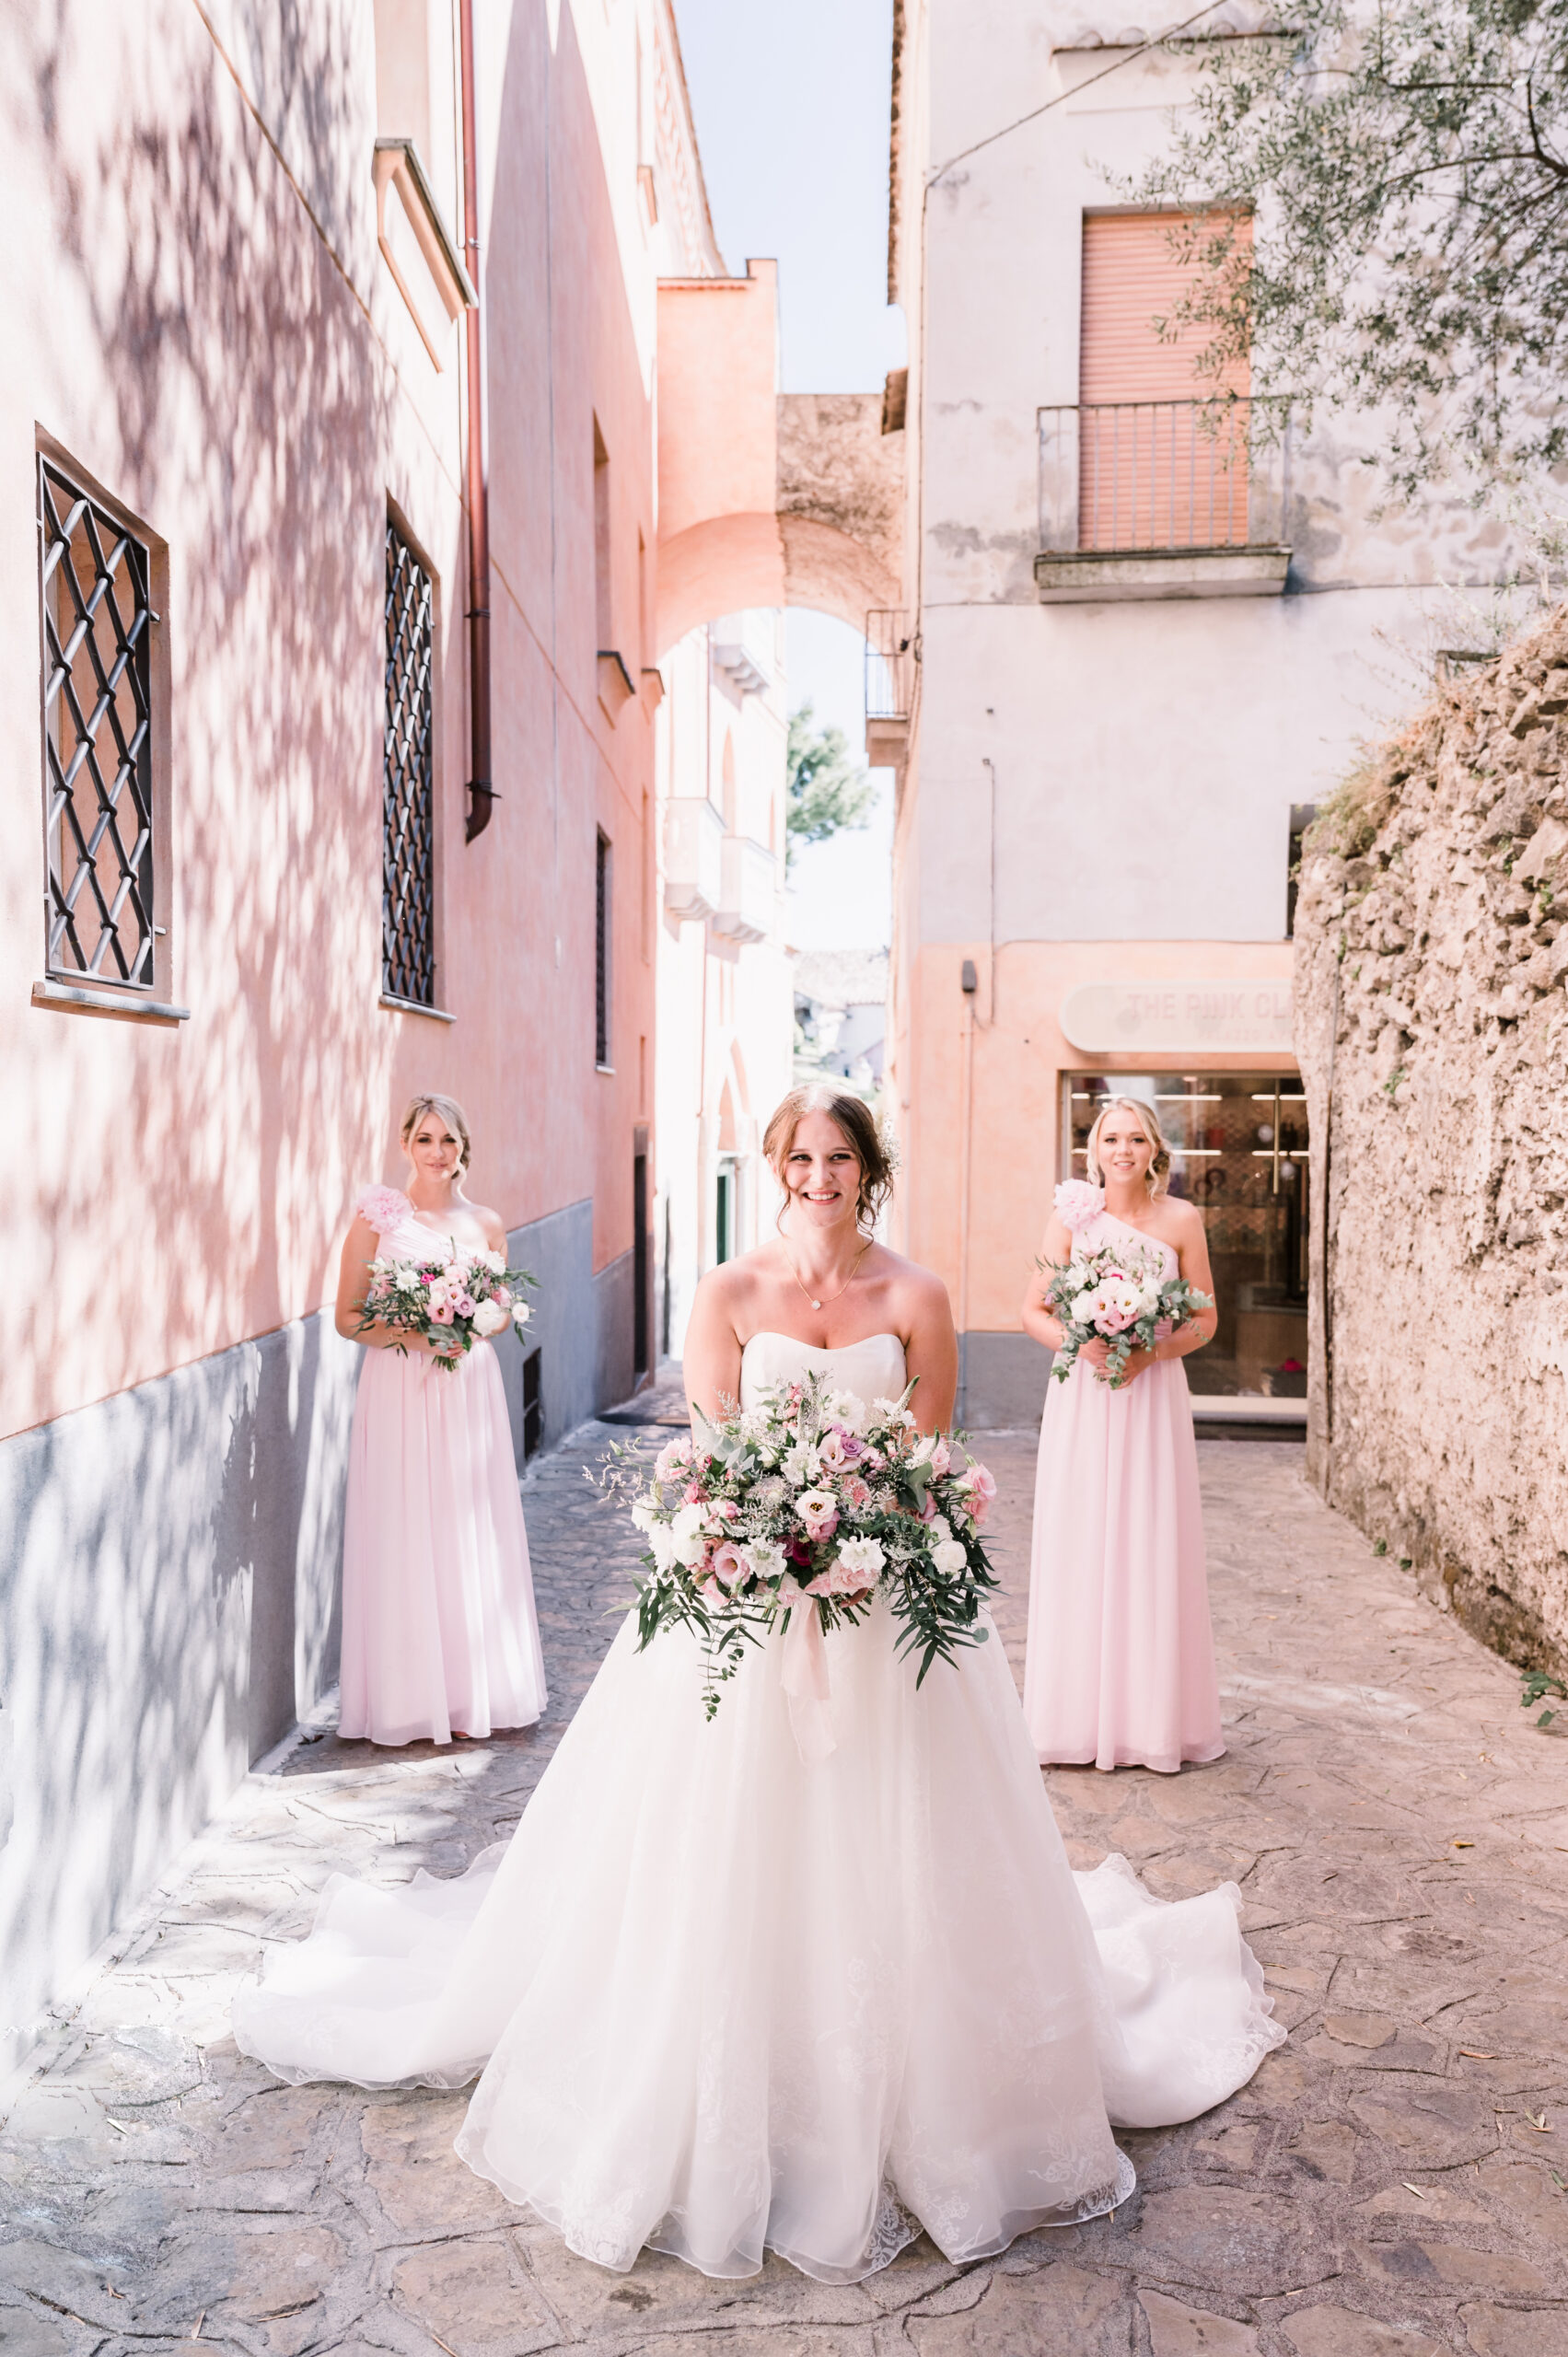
(1432, 1014)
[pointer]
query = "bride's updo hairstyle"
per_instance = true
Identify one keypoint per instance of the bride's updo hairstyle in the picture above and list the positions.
(854, 1116)
(446, 1108)
(1158, 1173)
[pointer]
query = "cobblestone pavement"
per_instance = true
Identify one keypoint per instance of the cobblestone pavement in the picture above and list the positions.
(1390, 2185)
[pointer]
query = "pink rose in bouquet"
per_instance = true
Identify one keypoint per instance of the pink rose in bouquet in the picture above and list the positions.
(672, 1459)
(819, 1513)
(729, 1563)
(979, 1486)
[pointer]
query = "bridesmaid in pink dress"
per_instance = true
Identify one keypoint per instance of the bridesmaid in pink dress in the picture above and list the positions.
(439, 1632)
(1120, 1662)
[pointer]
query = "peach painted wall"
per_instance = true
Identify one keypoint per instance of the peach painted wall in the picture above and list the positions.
(1012, 1120)
(199, 318)
(720, 549)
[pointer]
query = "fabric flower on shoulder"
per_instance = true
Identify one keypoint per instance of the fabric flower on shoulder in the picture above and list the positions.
(1078, 1205)
(383, 1207)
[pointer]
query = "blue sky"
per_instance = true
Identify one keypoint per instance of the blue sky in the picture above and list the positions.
(791, 105)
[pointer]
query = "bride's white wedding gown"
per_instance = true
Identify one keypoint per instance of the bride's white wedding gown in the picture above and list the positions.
(722, 1998)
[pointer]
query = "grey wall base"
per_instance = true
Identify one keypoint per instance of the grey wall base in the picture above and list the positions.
(1002, 1380)
(169, 1597)
(168, 1586)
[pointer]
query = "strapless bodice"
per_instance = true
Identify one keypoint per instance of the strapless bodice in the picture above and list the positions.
(872, 1369)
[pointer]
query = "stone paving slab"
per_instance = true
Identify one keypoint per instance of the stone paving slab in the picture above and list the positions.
(1390, 2185)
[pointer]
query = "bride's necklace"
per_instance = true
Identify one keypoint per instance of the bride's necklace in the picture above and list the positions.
(859, 1257)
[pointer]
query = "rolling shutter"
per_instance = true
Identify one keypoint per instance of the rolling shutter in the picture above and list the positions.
(1150, 475)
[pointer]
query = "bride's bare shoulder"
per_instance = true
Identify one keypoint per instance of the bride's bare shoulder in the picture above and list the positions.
(733, 1282)
(920, 1288)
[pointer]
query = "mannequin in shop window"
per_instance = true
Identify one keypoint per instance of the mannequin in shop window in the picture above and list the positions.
(1119, 1671)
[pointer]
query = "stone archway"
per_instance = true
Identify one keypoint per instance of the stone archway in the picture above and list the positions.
(766, 498)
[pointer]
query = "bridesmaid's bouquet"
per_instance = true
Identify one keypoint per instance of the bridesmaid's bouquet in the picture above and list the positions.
(1118, 1295)
(447, 1303)
(798, 1513)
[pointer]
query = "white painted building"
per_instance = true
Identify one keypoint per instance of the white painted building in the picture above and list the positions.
(841, 1016)
(723, 984)
(1143, 650)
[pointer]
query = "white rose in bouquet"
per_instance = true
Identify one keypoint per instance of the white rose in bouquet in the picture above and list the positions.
(490, 1317)
(948, 1557)
(843, 1408)
(689, 1538)
(863, 1556)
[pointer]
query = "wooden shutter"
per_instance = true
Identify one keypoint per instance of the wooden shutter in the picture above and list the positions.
(1150, 475)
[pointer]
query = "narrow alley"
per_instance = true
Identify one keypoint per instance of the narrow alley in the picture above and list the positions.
(1390, 2185)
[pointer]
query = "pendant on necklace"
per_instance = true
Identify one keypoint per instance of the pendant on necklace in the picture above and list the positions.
(816, 1305)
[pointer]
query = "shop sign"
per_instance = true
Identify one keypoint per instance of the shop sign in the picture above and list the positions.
(1232, 1017)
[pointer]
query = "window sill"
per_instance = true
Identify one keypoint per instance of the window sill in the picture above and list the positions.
(609, 1070)
(1093, 577)
(414, 1006)
(104, 1002)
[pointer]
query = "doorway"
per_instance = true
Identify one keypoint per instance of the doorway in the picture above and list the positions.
(641, 1259)
(726, 1210)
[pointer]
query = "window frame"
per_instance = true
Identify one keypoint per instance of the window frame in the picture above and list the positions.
(396, 527)
(63, 985)
(604, 976)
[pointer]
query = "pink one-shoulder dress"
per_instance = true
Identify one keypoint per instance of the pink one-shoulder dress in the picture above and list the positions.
(1120, 1669)
(439, 1628)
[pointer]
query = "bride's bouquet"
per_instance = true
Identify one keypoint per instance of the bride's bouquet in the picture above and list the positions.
(447, 1303)
(1117, 1294)
(798, 1511)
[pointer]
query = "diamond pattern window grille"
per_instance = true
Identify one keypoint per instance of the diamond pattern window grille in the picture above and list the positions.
(408, 896)
(98, 738)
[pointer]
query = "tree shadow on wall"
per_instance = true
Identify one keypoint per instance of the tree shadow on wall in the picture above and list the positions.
(215, 371)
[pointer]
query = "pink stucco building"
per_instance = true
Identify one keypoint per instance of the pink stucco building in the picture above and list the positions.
(256, 890)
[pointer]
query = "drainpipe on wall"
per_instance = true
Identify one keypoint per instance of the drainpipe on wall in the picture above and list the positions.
(482, 791)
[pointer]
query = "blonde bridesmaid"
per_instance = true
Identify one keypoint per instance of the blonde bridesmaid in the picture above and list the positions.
(440, 1637)
(1120, 1669)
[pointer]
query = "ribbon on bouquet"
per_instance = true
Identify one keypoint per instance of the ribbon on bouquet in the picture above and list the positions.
(803, 1674)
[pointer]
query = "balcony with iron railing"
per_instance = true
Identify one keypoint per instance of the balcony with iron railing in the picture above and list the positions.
(1162, 499)
(892, 658)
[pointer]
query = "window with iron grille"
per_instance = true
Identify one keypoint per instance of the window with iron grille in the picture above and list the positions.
(602, 952)
(96, 577)
(408, 815)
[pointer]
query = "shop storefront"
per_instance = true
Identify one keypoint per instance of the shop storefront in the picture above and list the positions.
(1238, 1146)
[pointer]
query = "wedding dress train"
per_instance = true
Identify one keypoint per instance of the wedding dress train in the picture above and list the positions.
(719, 1998)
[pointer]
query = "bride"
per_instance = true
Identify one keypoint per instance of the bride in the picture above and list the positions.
(719, 1997)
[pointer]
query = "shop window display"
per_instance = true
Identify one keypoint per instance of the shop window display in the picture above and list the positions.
(1239, 1152)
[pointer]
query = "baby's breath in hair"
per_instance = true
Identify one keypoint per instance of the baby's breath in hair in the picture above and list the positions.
(873, 1148)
